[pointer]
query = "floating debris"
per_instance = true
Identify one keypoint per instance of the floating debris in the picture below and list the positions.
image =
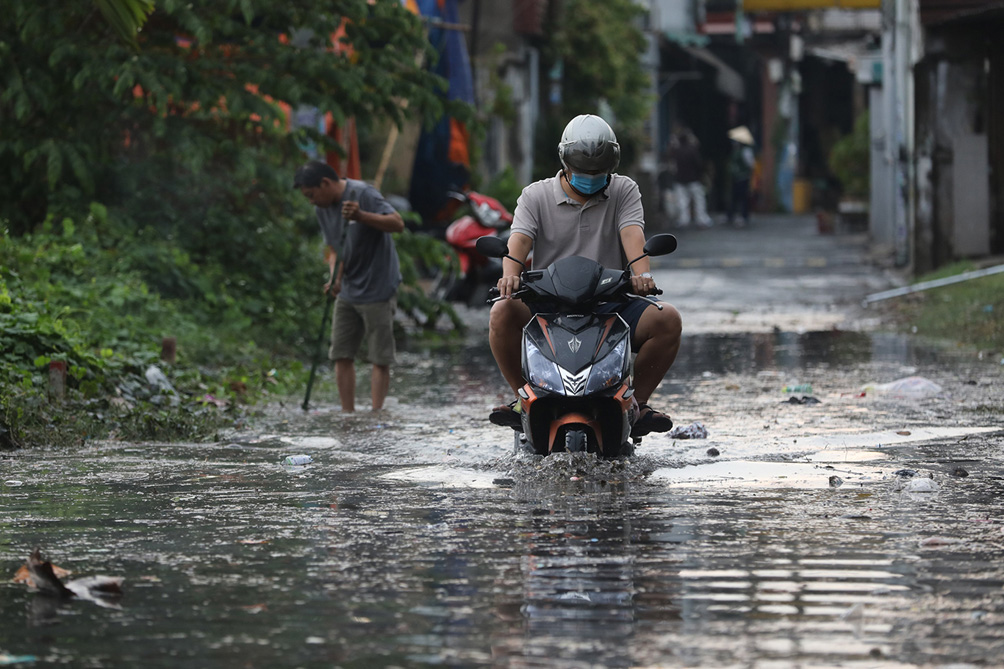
(43, 576)
(937, 542)
(921, 485)
(804, 399)
(695, 430)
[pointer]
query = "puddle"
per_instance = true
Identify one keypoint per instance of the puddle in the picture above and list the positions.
(416, 537)
(750, 353)
(442, 477)
(814, 469)
(746, 474)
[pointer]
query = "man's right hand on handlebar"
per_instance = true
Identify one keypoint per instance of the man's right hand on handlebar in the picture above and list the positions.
(508, 285)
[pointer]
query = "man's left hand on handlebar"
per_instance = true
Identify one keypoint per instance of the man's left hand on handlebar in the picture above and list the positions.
(508, 285)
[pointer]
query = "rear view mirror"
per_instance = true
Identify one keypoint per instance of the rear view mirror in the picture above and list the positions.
(492, 247)
(658, 245)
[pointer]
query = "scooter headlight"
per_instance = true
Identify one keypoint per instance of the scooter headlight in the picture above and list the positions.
(609, 371)
(540, 371)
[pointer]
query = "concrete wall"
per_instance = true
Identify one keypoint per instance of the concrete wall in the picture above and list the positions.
(505, 60)
(953, 212)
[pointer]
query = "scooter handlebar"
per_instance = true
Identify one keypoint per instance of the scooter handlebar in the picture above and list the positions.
(494, 296)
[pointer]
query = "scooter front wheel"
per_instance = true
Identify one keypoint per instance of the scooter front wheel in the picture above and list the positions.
(576, 441)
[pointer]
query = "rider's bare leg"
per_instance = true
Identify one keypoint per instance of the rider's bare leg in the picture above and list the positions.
(657, 339)
(505, 327)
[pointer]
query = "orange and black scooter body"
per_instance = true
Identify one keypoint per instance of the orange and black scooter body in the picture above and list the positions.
(578, 394)
(576, 352)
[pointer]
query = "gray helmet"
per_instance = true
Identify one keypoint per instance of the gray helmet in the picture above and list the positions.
(589, 145)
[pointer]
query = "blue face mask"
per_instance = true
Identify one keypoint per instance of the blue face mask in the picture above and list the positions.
(588, 183)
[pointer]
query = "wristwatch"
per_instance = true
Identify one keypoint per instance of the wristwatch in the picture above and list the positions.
(646, 275)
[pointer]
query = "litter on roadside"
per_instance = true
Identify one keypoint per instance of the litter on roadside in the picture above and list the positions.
(921, 485)
(910, 387)
(695, 430)
(804, 399)
(936, 542)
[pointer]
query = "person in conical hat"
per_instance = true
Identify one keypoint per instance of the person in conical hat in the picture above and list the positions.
(740, 172)
(742, 135)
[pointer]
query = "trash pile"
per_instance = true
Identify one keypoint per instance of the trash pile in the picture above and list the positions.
(910, 387)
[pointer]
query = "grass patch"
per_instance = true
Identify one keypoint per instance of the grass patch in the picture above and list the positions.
(969, 313)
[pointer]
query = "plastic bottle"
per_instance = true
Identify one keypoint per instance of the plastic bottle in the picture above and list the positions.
(800, 388)
(297, 460)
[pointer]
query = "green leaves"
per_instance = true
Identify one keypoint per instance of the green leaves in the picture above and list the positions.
(84, 115)
(126, 17)
(849, 159)
(597, 48)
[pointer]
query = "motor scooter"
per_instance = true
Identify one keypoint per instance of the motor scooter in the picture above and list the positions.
(576, 359)
(476, 272)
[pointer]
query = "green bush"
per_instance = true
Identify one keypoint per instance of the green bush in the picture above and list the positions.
(71, 292)
(64, 297)
(850, 159)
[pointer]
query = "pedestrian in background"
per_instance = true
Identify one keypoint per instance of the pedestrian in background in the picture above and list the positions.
(685, 156)
(356, 223)
(741, 161)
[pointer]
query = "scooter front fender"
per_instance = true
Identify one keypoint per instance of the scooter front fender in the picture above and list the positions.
(573, 419)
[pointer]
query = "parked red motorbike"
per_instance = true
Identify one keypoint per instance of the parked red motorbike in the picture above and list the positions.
(476, 272)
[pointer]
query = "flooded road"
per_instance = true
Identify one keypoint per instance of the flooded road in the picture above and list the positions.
(862, 531)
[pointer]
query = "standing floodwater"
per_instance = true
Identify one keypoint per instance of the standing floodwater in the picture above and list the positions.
(415, 537)
(856, 525)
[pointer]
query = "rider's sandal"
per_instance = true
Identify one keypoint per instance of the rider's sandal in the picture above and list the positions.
(650, 420)
(506, 415)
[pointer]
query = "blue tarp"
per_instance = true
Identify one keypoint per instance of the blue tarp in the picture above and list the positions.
(441, 161)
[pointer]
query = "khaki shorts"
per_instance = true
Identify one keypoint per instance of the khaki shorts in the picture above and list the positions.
(352, 323)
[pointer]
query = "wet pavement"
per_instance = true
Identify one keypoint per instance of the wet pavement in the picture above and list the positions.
(862, 530)
(779, 272)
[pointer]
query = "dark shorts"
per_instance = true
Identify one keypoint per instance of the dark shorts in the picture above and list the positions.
(352, 323)
(630, 311)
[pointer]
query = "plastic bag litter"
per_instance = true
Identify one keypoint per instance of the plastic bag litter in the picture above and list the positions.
(912, 387)
(938, 541)
(921, 485)
(156, 378)
(695, 430)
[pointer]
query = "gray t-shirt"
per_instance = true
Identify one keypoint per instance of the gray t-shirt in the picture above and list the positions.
(372, 271)
(559, 226)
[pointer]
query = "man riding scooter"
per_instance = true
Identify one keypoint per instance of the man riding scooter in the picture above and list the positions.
(586, 210)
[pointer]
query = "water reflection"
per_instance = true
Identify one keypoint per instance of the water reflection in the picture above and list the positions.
(578, 571)
(747, 353)
(572, 564)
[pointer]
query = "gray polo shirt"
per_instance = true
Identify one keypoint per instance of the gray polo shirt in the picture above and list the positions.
(559, 226)
(372, 271)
